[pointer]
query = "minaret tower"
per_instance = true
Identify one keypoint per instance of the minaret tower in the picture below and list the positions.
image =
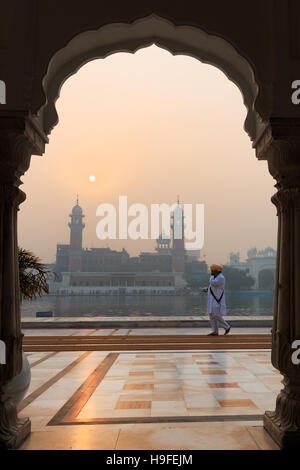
(76, 227)
(178, 251)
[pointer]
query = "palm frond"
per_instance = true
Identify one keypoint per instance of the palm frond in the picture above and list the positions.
(32, 275)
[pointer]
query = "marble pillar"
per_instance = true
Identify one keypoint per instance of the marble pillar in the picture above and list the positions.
(280, 146)
(20, 137)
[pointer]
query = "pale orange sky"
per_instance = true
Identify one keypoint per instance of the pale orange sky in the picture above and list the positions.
(150, 126)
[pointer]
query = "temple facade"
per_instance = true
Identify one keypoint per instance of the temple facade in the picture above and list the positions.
(105, 271)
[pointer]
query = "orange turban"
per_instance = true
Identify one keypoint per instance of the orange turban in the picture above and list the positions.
(216, 267)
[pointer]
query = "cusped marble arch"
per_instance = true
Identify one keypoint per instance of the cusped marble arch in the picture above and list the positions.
(152, 30)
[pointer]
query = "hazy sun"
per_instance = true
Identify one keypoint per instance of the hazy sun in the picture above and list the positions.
(92, 178)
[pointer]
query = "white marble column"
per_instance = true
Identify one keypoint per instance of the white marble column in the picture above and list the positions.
(19, 139)
(280, 146)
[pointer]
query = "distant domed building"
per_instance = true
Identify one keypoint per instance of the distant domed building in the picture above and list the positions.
(261, 265)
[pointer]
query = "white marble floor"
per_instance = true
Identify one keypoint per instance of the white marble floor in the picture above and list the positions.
(149, 400)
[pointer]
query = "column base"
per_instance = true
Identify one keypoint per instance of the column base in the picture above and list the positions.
(14, 437)
(285, 439)
(14, 430)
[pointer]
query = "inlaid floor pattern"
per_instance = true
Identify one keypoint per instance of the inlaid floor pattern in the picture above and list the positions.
(93, 387)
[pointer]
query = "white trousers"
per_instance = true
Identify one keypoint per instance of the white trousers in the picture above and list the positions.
(216, 320)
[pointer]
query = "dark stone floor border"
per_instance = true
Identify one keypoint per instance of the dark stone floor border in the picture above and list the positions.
(139, 324)
(157, 420)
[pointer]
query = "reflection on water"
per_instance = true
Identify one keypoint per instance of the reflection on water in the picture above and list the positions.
(109, 306)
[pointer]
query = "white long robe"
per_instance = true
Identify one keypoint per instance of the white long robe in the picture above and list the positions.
(217, 285)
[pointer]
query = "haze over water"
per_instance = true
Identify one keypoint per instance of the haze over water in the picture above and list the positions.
(145, 306)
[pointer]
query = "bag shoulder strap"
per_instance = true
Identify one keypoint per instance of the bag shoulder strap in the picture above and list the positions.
(212, 293)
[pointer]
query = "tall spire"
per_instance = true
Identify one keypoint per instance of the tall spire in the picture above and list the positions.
(76, 226)
(77, 200)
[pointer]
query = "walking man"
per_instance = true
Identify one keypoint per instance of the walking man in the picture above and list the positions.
(216, 301)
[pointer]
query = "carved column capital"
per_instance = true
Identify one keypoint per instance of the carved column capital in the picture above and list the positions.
(11, 195)
(279, 144)
(20, 137)
(286, 199)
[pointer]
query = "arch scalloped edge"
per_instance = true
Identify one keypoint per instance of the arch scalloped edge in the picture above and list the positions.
(151, 30)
